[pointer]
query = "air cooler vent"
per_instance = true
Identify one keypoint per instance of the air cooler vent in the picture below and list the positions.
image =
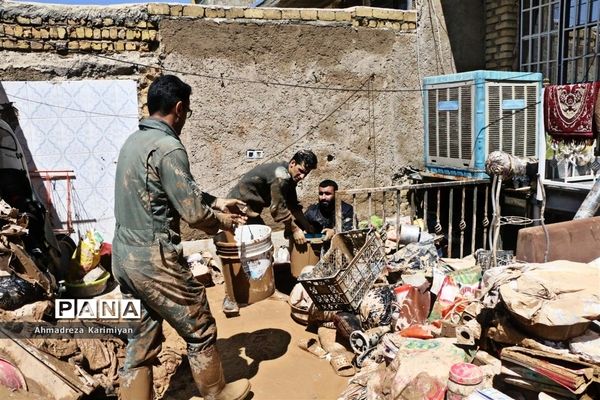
(470, 114)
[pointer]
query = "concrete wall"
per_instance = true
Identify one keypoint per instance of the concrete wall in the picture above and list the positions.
(275, 65)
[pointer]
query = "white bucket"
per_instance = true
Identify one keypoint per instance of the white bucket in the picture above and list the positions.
(255, 249)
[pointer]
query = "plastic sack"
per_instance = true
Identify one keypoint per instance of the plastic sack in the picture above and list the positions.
(456, 291)
(87, 254)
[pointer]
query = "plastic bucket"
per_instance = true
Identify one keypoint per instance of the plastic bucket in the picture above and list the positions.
(409, 234)
(10, 376)
(247, 263)
(303, 255)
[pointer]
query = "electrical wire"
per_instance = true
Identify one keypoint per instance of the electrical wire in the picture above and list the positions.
(222, 78)
(338, 107)
(72, 109)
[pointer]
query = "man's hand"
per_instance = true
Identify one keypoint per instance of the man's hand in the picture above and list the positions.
(328, 232)
(233, 206)
(229, 222)
(298, 236)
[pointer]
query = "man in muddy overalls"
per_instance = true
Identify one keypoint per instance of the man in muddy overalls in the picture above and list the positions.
(273, 185)
(154, 189)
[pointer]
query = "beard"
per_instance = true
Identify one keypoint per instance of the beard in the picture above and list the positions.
(325, 204)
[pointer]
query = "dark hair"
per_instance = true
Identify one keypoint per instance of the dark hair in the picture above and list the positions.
(306, 158)
(165, 91)
(329, 182)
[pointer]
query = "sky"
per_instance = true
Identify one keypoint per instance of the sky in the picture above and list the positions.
(103, 2)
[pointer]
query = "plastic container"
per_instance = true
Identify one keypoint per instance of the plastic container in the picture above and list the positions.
(464, 379)
(346, 271)
(306, 254)
(10, 376)
(88, 289)
(409, 234)
(247, 258)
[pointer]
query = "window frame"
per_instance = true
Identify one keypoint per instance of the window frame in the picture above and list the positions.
(571, 55)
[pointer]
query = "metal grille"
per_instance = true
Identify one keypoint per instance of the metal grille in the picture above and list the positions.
(450, 131)
(341, 278)
(432, 123)
(512, 118)
(559, 39)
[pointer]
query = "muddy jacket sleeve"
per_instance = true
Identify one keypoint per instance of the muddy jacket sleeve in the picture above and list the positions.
(190, 202)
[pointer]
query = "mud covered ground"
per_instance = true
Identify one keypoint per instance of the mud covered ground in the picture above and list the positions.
(261, 345)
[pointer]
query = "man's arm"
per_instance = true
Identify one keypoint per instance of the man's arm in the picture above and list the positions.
(191, 203)
(301, 221)
(285, 208)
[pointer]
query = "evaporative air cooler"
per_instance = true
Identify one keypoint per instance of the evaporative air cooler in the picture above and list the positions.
(470, 114)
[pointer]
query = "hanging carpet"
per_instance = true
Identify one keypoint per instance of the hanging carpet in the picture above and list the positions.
(571, 112)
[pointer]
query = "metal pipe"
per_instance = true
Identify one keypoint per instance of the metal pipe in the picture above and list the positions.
(590, 204)
(462, 225)
(450, 217)
(354, 208)
(474, 221)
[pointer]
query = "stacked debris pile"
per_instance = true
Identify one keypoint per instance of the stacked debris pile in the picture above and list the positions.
(43, 366)
(432, 328)
(22, 280)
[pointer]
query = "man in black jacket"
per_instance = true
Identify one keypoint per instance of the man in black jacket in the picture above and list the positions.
(322, 214)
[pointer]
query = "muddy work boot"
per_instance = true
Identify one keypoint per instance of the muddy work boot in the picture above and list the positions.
(208, 374)
(230, 307)
(136, 384)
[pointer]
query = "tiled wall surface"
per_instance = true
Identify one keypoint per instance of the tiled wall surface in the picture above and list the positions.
(79, 126)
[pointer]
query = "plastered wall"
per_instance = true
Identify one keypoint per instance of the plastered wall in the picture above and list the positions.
(345, 83)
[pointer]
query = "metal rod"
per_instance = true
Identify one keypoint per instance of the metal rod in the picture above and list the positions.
(383, 206)
(496, 224)
(338, 213)
(474, 221)
(354, 208)
(450, 215)
(462, 225)
(412, 206)
(398, 199)
(370, 208)
(425, 210)
(543, 220)
(485, 222)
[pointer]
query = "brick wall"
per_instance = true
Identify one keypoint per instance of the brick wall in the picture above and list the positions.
(109, 29)
(501, 36)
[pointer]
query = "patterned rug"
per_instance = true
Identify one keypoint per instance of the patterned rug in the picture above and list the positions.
(571, 112)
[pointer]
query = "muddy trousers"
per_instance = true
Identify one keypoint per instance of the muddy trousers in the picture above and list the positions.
(167, 291)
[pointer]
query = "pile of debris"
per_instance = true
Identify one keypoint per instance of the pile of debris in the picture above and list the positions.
(433, 328)
(62, 364)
